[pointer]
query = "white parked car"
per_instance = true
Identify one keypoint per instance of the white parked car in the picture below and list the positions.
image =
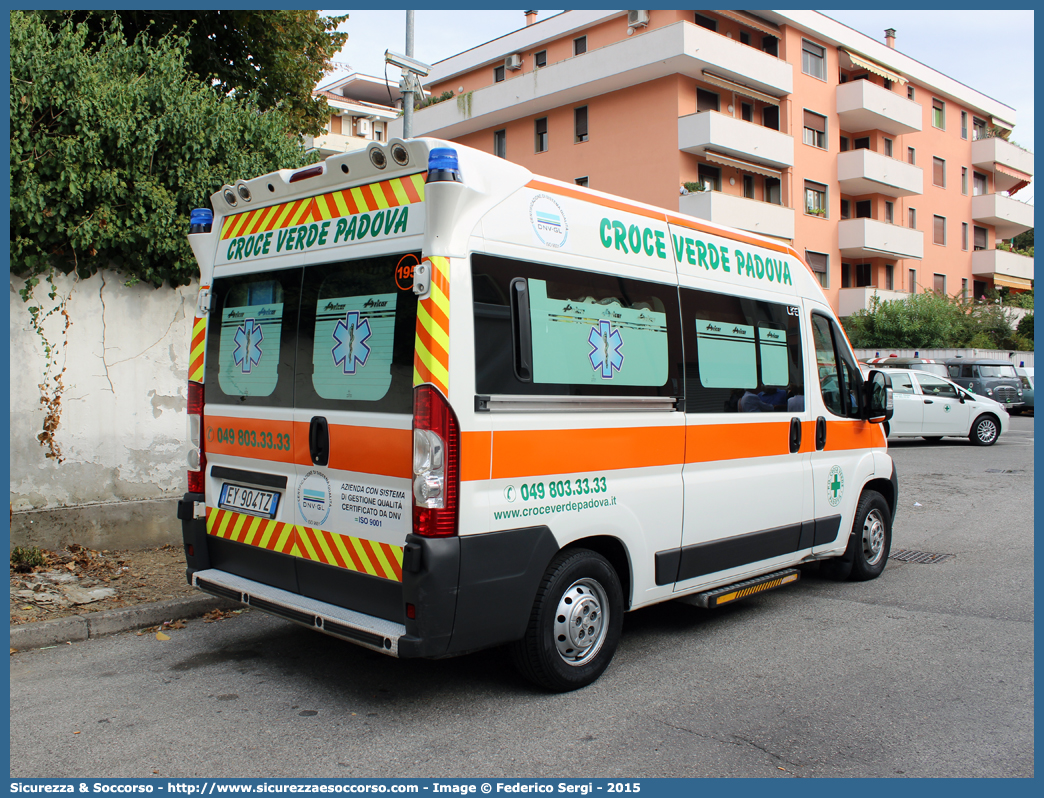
(929, 406)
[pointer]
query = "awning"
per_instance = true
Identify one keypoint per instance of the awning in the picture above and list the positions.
(870, 66)
(752, 22)
(1023, 178)
(745, 166)
(739, 88)
(1013, 282)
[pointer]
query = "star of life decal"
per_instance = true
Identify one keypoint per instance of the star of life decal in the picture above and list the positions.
(605, 353)
(248, 339)
(351, 335)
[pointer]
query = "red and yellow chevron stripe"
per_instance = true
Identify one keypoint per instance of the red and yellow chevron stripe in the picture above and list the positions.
(431, 350)
(343, 551)
(372, 197)
(197, 349)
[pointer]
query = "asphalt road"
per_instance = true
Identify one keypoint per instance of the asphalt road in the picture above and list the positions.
(927, 671)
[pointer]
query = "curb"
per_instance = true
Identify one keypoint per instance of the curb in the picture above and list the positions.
(107, 622)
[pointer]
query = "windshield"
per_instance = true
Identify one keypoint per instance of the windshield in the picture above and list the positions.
(997, 371)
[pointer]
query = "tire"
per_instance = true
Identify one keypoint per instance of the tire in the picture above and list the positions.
(575, 624)
(887, 429)
(871, 539)
(985, 431)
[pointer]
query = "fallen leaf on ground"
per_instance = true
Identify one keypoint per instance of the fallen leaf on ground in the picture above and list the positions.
(179, 624)
(161, 636)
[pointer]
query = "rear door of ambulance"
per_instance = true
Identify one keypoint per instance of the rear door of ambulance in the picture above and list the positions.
(345, 407)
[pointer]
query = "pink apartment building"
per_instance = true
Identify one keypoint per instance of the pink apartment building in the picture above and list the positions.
(889, 176)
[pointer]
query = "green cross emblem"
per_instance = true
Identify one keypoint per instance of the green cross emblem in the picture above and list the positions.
(946, 408)
(835, 485)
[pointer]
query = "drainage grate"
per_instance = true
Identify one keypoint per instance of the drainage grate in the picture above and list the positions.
(904, 555)
(1003, 470)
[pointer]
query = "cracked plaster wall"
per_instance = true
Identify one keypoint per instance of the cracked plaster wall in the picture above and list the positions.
(123, 427)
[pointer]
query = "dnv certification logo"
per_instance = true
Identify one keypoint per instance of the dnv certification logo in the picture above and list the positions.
(248, 339)
(313, 497)
(549, 221)
(605, 353)
(835, 486)
(351, 336)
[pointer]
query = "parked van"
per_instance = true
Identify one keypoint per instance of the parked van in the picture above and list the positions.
(1026, 378)
(439, 404)
(936, 367)
(994, 379)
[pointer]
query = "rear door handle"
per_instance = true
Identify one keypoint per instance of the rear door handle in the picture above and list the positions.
(820, 434)
(795, 435)
(319, 441)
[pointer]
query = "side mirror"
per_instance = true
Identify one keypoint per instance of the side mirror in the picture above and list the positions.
(878, 390)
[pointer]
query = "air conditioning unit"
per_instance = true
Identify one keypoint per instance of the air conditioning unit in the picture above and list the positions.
(362, 127)
(513, 61)
(637, 19)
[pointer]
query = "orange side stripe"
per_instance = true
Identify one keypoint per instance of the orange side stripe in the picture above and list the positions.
(367, 450)
(705, 443)
(264, 444)
(476, 450)
(605, 202)
(525, 453)
(843, 435)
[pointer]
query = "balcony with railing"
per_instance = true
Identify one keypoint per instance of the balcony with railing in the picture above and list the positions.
(764, 218)
(1008, 215)
(989, 263)
(863, 105)
(725, 135)
(1010, 163)
(862, 172)
(869, 238)
(681, 48)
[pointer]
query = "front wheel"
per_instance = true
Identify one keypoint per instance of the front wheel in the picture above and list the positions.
(984, 431)
(871, 537)
(575, 624)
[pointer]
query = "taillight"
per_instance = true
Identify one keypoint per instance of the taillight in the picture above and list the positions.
(436, 464)
(197, 456)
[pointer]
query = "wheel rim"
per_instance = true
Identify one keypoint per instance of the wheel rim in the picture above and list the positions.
(987, 431)
(873, 537)
(581, 621)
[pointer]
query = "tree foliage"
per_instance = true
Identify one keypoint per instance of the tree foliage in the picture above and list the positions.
(112, 143)
(279, 56)
(934, 321)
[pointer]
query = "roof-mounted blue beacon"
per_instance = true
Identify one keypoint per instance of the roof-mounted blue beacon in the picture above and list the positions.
(443, 166)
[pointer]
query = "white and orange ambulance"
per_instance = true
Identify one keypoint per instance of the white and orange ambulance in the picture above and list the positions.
(440, 404)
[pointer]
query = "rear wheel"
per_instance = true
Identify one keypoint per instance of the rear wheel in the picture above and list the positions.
(984, 431)
(575, 624)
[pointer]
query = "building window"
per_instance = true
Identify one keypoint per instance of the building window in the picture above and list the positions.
(909, 92)
(846, 209)
(710, 176)
(498, 73)
(890, 212)
(940, 284)
(964, 288)
(863, 271)
(819, 262)
(580, 123)
(890, 276)
(912, 281)
(979, 184)
(864, 209)
(846, 275)
(939, 234)
(939, 172)
(911, 156)
(582, 181)
(773, 192)
(540, 59)
(964, 236)
(541, 134)
(888, 147)
(815, 130)
(815, 199)
(964, 124)
(747, 112)
(862, 143)
(748, 186)
(744, 37)
(912, 216)
(844, 144)
(978, 128)
(580, 45)
(813, 59)
(705, 22)
(964, 180)
(500, 143)
(770, 117)
(980, 238)
(770, 45)
(707, 101)
(938, 114)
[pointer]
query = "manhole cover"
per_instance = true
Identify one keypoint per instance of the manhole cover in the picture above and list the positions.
(925, 557)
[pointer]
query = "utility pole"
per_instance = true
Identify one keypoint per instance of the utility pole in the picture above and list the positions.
(407, 95)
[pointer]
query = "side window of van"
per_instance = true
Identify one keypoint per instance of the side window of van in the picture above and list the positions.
(840, 380)
(934, 386)
(955, 371)
(742, 355)
(901, 383)
(250, 358)
(357, 331)
(542, 329)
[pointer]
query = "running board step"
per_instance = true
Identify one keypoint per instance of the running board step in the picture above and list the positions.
(738, 590)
